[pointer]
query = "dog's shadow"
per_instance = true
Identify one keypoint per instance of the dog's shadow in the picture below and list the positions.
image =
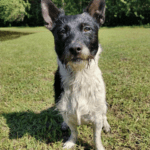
(44, 126)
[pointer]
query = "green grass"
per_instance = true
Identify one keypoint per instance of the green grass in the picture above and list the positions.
(27, 67)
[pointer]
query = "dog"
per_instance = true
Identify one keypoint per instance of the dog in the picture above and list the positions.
(79, 86)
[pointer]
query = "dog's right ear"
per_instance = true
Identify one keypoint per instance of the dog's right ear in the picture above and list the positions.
(96, 9)
(50, 12)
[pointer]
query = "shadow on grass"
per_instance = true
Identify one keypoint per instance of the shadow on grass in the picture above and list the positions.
(44, 126)
(10, 35)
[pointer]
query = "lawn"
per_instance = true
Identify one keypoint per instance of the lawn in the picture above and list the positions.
(27, 66)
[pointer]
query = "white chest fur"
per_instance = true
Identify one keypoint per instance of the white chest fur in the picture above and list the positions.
(84, 92)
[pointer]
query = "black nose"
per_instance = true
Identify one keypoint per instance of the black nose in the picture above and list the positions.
(75, 49)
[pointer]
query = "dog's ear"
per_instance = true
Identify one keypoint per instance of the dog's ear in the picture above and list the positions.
(96, 9)
(50, 12)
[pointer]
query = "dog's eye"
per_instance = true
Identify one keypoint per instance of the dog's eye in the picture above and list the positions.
(62, 32)
(86, 29)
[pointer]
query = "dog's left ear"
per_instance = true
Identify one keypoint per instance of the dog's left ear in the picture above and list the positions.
(50, 13)
(96, 9)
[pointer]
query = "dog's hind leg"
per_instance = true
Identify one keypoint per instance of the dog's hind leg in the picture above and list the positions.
(72, 140)
(97, 128)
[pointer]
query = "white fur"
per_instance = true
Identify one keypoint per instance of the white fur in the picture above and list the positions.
(83, 100)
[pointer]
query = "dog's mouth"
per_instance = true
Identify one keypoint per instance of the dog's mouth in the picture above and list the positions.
(76, 59)
(78, 63)
(81, 58)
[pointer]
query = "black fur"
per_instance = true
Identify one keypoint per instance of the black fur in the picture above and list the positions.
(57, 86)
(71, 28)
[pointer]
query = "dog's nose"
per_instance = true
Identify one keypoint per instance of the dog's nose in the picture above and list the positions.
(76, 49)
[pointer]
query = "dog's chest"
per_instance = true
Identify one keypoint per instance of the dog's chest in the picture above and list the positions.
(83, 93)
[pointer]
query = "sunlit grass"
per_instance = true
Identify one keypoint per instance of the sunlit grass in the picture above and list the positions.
(27, 67)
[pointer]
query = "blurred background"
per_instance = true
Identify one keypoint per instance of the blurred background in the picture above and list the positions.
(119, 12)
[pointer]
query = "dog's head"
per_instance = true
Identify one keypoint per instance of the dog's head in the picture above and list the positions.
(76, 37)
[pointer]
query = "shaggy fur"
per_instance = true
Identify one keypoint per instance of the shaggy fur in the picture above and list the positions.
(79, 86)
(83, 102)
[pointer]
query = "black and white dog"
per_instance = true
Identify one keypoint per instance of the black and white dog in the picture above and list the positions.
(79, 86)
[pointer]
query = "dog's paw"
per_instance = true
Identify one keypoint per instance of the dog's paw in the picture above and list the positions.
(107, 127)
(64, 126)
(100, 148)
(68, 145)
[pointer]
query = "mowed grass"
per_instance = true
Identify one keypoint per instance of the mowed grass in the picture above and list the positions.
(27, 67)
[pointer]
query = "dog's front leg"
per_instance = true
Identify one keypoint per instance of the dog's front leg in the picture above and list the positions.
(97, 128)
(72, 139)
